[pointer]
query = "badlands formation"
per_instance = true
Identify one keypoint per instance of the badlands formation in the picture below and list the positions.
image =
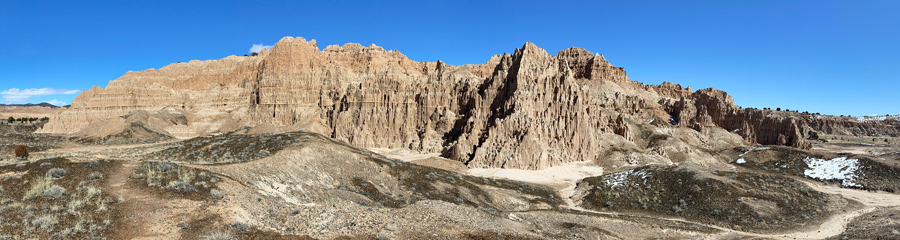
(354, 142)
(524, 110)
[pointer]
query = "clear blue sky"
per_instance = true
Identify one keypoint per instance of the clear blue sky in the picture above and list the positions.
(833, 57)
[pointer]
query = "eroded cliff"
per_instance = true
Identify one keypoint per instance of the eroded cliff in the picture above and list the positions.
(528, 109)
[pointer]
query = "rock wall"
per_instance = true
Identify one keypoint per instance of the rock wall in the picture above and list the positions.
(528, 109)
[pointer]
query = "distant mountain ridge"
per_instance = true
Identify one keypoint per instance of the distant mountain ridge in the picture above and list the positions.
(43, 104)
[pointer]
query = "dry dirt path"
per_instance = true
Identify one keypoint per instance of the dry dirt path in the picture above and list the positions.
(834, 226)
(838, 223)
(143, 214)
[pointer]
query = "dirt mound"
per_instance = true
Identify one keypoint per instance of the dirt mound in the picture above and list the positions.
(304, 172)
(231, 147)
(847, 170)
(743, 201)
(136, 127)
(881, 224)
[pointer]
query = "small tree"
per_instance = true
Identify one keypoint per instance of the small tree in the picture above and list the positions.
(777, 109)
(10, 119)
(21, 151)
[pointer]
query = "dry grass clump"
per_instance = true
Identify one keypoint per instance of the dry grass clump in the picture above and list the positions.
(187, 181)
(56, 203)
(45, 222)
(218, 235)
(39, 186)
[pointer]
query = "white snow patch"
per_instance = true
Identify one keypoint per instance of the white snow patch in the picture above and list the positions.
(741, 161)
(618, 179)
(649, 121)
(835, 169)
(753, 149)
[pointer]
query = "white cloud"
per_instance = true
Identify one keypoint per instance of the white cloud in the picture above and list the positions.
(58, 103)
(259, 47)
(15, 95)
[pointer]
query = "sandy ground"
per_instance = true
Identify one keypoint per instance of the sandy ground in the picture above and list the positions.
(151, 211)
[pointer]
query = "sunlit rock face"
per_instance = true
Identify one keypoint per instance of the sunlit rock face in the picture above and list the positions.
(527, 109)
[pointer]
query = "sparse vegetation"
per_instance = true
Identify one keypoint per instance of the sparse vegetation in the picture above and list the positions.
(95, 176)
(228, 148)
(241, 226)
(185, 181)
(53, 191)
(58, 203)
(746, 201)
(38, 186)
(45, 222)
(218, 235)
(57, 172)
(216, 194)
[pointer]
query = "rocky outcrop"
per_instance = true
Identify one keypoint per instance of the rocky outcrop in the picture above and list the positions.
(528, 109)
(714, 108)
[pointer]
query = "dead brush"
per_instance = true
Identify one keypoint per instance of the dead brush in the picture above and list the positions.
(22, 151)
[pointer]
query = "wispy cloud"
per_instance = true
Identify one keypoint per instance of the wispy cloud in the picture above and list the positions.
(15, 95)
(58, 103)
(259, 47)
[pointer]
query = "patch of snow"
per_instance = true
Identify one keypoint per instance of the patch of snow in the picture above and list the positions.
(753, 149)
(271, 187)
(834, 169)
(741, 161)
(618, 179)
(649, 121)
(872, 118)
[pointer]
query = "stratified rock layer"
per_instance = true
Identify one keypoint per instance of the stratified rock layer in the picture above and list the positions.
(528, 109)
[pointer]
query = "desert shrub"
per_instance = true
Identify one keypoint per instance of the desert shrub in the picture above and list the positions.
(21, 151)
(45, 222)
(93, 164)
(164, 167)
(217, 235)
(813, 135)
(241, 226)
(38, 185)
(53, 192)
(57, 172)
(182, 186)
(216, 194)
(95, 176)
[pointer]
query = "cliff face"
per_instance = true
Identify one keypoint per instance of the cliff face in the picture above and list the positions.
(714, 108)
(528, 109)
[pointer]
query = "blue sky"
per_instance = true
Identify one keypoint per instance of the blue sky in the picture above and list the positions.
(833, 57)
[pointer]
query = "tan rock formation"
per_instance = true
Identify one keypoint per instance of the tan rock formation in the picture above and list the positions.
(528, 109)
